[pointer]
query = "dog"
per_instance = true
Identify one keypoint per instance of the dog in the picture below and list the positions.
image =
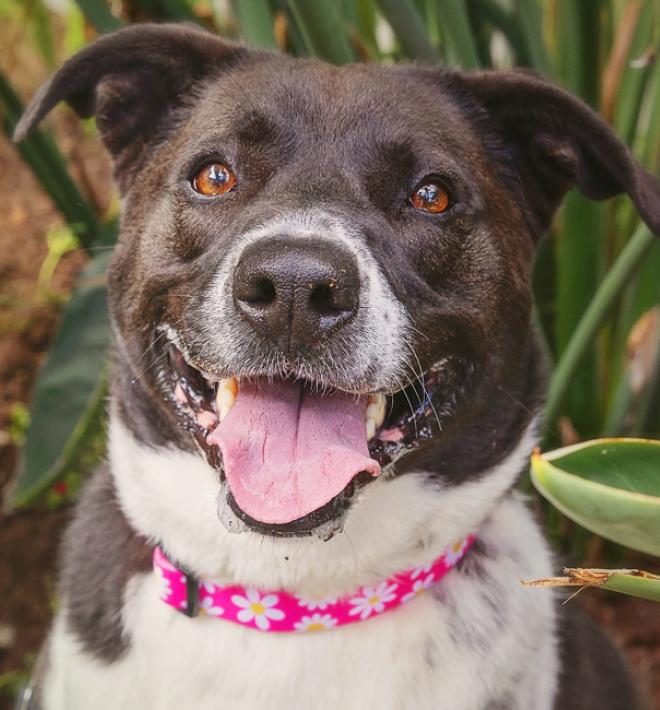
(325, 380)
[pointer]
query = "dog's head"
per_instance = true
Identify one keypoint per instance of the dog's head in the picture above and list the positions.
(323, 272)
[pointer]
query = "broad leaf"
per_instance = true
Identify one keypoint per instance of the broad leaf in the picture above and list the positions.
(609, 486)
(70, 387)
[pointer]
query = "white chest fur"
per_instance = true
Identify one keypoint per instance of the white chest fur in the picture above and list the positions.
(478, 638)
(478, 641)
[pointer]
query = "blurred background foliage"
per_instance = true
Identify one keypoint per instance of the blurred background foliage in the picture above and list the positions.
(597, 277)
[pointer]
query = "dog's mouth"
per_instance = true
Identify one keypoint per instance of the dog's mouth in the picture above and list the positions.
(292, 453)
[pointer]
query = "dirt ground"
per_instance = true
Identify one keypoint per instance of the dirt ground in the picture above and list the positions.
(28, 319)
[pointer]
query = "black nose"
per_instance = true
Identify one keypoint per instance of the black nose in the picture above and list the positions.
(296, 292)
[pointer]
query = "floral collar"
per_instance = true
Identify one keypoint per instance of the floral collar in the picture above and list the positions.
(282, 611)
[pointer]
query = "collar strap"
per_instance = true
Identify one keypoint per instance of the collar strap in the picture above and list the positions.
(282, 611)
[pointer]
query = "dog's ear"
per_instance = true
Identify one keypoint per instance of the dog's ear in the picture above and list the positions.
(554, 142)
(132, 81)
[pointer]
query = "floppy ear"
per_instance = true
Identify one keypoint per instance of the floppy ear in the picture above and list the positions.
(132, 81)
(554, 142)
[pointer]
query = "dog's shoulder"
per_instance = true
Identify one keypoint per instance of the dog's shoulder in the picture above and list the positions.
(101, 552)
(593, 675)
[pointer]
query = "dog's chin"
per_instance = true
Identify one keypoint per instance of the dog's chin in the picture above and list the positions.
(322, 523)
(253, 430)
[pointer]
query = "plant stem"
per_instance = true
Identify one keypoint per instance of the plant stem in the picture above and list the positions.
(605, 297)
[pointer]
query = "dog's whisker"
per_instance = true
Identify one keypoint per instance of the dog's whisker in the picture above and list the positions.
(522, 405)
(140, 375)
(427, 396)
(150, 346)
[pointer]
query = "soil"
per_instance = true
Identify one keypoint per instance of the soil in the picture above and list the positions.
(28, 321)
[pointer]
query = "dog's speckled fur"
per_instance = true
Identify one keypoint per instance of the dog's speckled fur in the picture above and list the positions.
(337, 150)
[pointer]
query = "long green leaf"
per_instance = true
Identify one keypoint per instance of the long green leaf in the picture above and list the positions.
(530, 23)
(47, 163)
(578, 50)
(579, 241)
(409, 30)
(634, 77)
(255, 19)
(322, 30)
(98, 13)
(457, 35)
(490, 12)
(70, 387)
(42, 30)
(634, 586)
(177, 10)
(609, 291)
(635, 583)
(609, 486)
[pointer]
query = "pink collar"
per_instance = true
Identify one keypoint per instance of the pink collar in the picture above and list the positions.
(282, 611)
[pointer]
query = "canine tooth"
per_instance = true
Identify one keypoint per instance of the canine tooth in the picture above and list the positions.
(374, 413)
(371, 429)
(376, 406)
(226, 396)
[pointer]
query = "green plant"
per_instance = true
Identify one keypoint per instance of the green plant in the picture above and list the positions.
(596, 273)
(611, 487)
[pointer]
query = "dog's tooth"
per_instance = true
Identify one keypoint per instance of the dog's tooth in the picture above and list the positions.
(371, 429)
(373, 413)
(226, 396)
(376, 405)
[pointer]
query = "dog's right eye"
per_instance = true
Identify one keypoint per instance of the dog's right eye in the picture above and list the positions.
(431, 196)
(213, 179)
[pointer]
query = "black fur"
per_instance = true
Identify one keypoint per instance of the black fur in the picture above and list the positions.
(101, 552)
(593, 674)
(355, 141)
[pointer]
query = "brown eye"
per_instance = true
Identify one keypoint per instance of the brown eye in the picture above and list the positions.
(213, 179)
(430, 196)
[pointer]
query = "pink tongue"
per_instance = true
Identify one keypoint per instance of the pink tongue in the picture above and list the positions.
(287, 451)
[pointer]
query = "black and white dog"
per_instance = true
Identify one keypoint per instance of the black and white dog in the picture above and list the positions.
(323, 273)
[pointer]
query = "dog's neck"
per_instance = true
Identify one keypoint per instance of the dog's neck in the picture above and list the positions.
(170, 497)
(280, 611)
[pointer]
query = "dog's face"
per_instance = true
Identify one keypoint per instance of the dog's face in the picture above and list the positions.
(323, 273)
(316, 239)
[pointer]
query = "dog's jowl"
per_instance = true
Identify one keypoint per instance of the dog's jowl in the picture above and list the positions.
(325, 386)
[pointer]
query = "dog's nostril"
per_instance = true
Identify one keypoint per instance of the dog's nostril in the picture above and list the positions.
(322, 299)
(260, 292)
(265, 292)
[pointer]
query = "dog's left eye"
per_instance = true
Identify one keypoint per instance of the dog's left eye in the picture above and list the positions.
(431, 196)
(213, 179)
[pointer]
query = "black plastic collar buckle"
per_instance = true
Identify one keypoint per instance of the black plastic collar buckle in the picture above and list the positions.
(192, 596)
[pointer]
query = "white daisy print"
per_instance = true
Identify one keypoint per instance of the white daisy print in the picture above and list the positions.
(313, 604)
(420, 586)
(256, 608)
(164, 588)
(373, 600)
(316, 622)
(207, 607)
(455, 552)
(420, 570)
